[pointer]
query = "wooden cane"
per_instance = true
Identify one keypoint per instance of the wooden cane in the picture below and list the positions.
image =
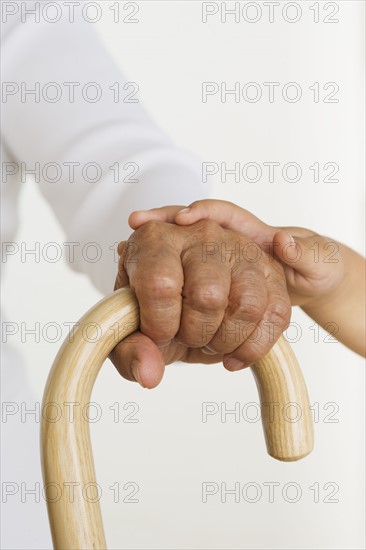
(67, 459)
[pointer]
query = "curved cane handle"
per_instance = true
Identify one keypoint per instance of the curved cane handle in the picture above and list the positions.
(66, 448)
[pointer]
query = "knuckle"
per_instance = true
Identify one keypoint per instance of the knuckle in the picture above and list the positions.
(208, 297)
(249, 306)
(149, 230)
(279, 313)
(207, 228)
(161, 286)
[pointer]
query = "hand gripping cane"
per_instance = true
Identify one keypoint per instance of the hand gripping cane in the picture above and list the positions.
(76, 524)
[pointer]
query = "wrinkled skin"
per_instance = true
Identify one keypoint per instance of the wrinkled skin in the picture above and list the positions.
(206, 294)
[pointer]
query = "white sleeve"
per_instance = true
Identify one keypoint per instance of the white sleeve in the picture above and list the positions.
(52, 126)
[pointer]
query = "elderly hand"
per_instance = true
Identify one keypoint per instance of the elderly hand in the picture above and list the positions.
(313, 264)
(206, 295)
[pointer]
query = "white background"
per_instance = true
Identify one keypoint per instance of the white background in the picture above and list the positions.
(169, 453)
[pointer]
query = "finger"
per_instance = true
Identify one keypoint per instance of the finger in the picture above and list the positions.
(137, 358)
(122, 277)
(156, 276)
(196, 355)
(247, 304)
(274, 321)
(205, 296)
(164, 214)
(229, 216)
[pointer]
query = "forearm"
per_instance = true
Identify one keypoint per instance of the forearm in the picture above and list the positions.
(344, 306)
(136, 165)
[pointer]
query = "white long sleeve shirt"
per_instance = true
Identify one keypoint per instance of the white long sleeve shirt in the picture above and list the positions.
(56, 139)
(85, 138)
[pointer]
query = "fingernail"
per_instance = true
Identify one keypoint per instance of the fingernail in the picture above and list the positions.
(233, 364)
(140, 212)
(135, 371)
(184, 211)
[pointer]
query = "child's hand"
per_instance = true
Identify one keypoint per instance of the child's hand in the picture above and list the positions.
(313, 264)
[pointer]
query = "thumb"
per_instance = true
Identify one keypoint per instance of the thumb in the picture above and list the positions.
(138, 358)
(294, 252)
(163, 214)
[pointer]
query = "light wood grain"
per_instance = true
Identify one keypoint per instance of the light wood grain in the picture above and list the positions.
(76, 523)
(286, 415)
